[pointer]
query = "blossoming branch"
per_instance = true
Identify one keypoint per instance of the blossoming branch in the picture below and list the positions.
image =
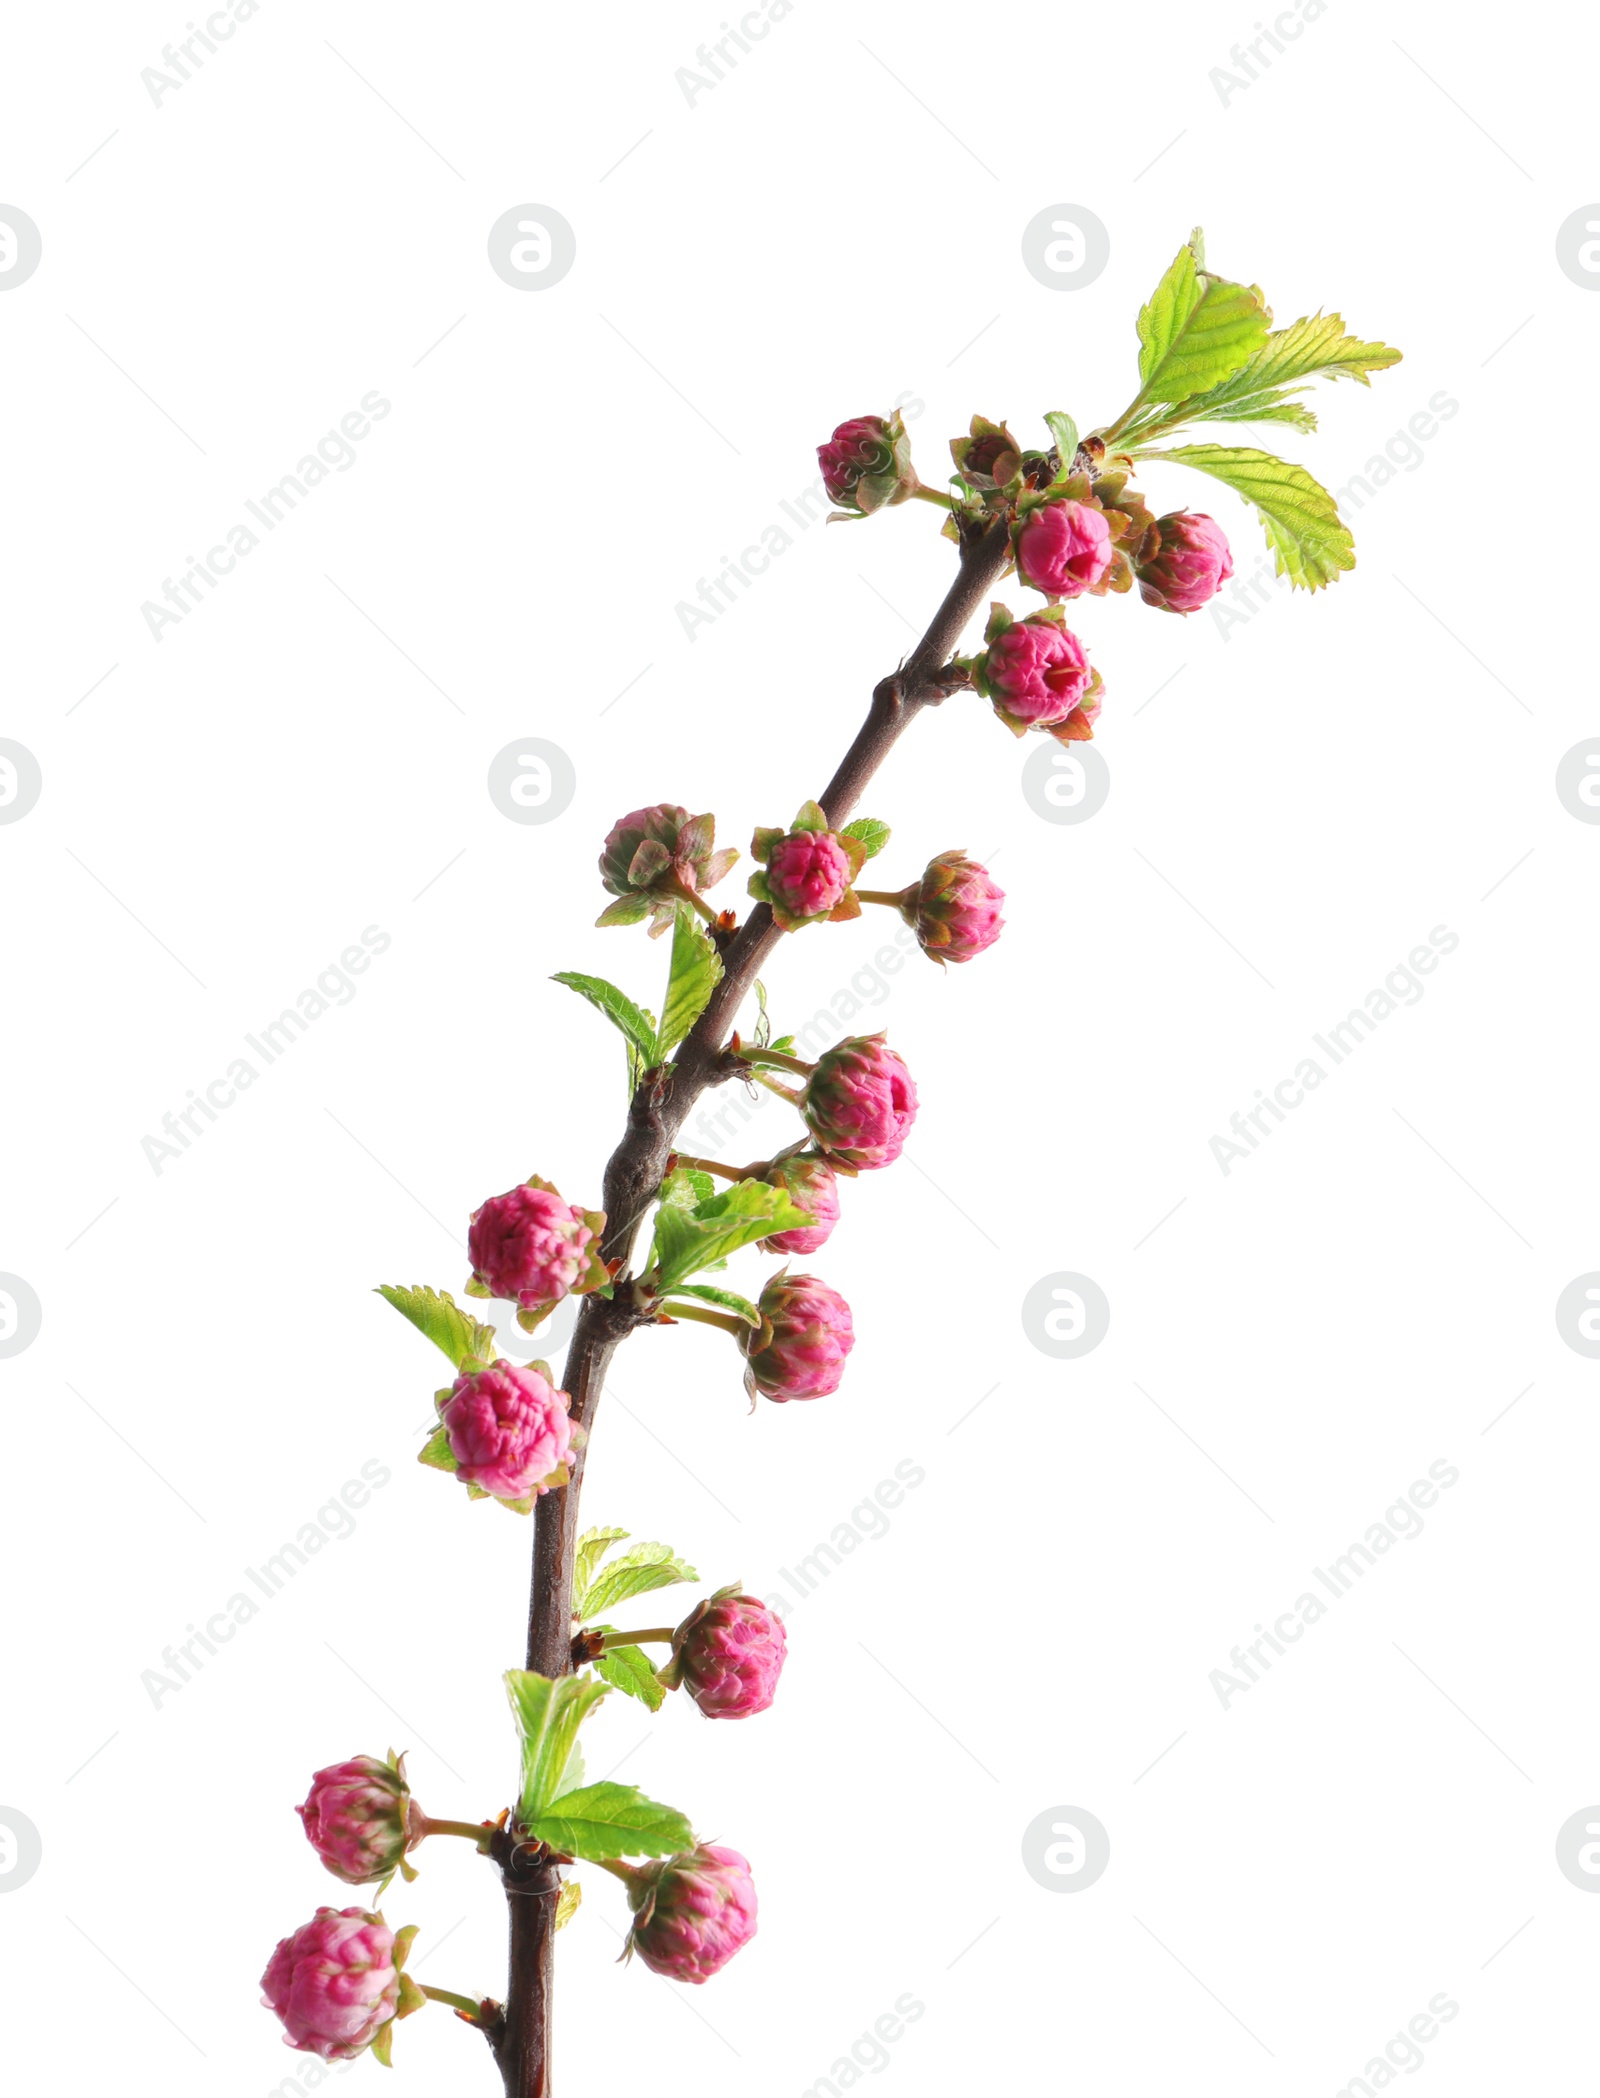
(1065, 521)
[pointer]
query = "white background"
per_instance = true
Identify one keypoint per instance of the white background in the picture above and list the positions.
(1293, 807)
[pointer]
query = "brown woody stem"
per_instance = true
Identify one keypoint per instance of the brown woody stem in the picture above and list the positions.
(634, 1173)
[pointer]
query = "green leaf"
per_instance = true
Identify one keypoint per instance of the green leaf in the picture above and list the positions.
(437, 1452)
(688, 1240)
(695, 973)
(763, 1033)
(1302, 521)
(638, 1572)
(686, 1186)
(628, 1668)
(548, 1715)
(1315, 347)
(1065, 432)
(612, 1821)
(436, 1313)
(627, 910)
(1197, 329)
(730, 1300)
(591, 1549)
(567, 1902)
(872, 834)
(617, 1006)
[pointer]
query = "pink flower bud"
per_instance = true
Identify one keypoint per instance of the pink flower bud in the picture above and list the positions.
(804, 874)
(1190, 564)
(650, 854)
(860, 1102)
(807, 873)
(728, 1654)
(532, 1247)
(1036, 675)
(1064, 548)
(955, 908)
(866, 464)
(334, 1983)
(357, 1818)
(799, 1349)
(811, 1185)
(509, 1430)
(691, 1913)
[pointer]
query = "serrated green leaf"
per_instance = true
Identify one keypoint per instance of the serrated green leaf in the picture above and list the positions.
(437, 1452)
(695, 972)
(637, 1572)
(628, 1668)
(1317, 346)
(1196, 329)
(612, 1821)
(688, 1240)
(568, 1902)
(1266, 388)
(685, 1187)
(617, 1006)
(1065, 432)
(436, 1313)
(763, 1032)
(591, 1549)
(729, 1299)
(1312, 546)
(548, 1715)
(1275, 407)
(871, 833)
